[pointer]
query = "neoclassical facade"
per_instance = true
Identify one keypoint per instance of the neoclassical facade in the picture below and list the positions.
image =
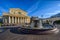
(15, 16)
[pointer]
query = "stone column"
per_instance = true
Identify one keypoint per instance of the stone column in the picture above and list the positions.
(25, 20)
(15, 20)
(9, 19)
(22, 19)
(18, 20)
(12, 19)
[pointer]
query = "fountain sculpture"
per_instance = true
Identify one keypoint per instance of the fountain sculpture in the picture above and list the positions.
(36, 27)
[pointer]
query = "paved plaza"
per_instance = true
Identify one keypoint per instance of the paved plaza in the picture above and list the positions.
(8, 35)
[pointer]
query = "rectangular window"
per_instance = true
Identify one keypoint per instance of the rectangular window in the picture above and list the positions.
(19, 12)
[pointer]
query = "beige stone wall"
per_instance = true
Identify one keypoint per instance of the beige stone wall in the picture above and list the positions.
(17, 11)
(14, 17)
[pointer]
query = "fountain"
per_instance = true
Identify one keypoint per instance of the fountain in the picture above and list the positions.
(36, 23)
(36, 27)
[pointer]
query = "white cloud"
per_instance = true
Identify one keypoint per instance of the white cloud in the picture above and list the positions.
(50, 14)
(34, 7)
(58, 11)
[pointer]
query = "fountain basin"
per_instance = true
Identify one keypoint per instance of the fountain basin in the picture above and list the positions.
(40, 31)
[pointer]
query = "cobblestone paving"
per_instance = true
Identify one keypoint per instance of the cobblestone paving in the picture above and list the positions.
(7, 35)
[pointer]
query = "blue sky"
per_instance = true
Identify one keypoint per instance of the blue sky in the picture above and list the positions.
(38, 8)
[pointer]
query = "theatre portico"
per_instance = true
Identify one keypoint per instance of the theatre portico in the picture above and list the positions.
(15, 16)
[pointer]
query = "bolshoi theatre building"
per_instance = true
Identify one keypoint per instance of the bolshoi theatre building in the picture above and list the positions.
(15, 16)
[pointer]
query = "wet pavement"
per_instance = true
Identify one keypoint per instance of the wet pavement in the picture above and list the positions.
(9, 35)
